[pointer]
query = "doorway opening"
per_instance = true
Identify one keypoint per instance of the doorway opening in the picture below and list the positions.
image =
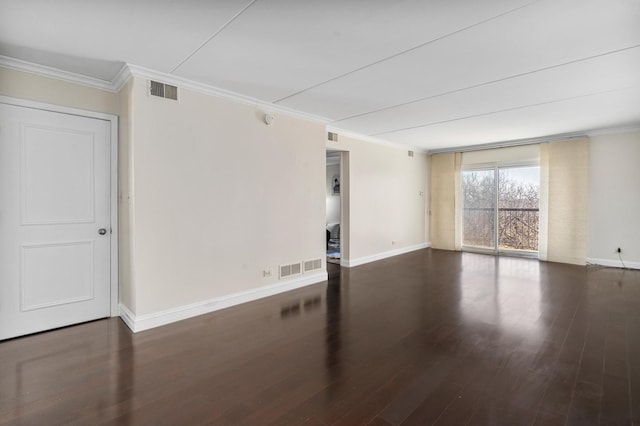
(333, 217)
(500, 209)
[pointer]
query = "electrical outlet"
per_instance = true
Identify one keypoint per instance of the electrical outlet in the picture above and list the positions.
(266, 273)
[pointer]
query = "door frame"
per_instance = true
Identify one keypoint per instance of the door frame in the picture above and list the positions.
(113, 179)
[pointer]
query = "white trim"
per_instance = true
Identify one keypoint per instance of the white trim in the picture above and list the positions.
(121, 78)
(144, 322)
(614, 263)
(371, 139)
(517, 142)
(372, 258)
(185, 83)
(114, 235)
(127, 316)
(58, 108)
(551, 138)
(614, 130)
(113, 195)
(43, 70)
(129, 70)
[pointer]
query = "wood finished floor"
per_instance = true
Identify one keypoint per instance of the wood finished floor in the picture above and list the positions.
(430, 337)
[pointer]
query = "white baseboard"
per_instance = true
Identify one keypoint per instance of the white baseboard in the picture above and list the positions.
(614, 263)
(128, 317)
(144, 322)
(379, 256)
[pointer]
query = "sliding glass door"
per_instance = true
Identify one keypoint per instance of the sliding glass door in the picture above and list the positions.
(500, 208)
(479, 209)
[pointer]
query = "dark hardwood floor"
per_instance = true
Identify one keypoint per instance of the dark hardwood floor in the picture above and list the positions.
(430, 337)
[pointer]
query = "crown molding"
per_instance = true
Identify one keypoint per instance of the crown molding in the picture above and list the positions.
(121, 78)
(515, 142)
(131, 70)
(614, 130)
(551, 138)
(45, 71)
(373, 140)
(185, 83)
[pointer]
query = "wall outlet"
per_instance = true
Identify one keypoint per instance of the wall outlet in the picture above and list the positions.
(266, 273)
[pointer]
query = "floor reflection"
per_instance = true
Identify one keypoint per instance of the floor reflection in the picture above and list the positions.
(47, 368)
(427, 333)
(333, 333)
(514, 300)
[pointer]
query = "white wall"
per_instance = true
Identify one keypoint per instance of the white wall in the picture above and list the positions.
(125, 198)
(218, 197)
(332, 200)
(386, 198)
(614, 196)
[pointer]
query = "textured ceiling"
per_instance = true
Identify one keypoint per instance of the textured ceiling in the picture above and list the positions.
(426, 73)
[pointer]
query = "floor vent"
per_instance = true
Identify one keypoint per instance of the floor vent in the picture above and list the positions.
(333, 137)
(162, 90)
(289, 270)
(312, 265)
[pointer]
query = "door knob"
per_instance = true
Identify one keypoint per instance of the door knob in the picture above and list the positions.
(102, 231)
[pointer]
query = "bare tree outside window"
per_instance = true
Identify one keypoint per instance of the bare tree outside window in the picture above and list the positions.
(518, 200)
(479, 198)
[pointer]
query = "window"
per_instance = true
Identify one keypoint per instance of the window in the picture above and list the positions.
(500, 208)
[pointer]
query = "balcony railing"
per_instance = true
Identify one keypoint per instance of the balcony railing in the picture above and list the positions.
(517, 228)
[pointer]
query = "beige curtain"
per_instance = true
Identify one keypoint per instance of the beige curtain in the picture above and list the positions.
(564, 201)
(445, 196)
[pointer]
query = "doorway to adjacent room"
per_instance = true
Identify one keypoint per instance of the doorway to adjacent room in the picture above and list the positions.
(333, 206)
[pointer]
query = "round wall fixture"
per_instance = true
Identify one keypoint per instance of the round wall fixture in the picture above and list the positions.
(268, 119)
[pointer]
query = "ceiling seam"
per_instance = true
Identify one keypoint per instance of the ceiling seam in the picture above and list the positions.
(486, 83)
(395, 55)
(222, 28)
(501, 111)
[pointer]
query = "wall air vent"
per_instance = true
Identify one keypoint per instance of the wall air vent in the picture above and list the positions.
(410, 153)
(289, 270)
(333, 137)
(312, 265)
(163, 90)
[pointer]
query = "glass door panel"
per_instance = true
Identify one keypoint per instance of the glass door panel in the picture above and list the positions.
(478, 208)
(518, 208)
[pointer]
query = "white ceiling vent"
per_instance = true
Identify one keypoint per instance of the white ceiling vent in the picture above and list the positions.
(163, 90)
(288, 270)
(312, 265)
(333, 136)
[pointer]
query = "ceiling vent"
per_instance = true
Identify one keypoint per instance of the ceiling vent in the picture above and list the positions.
(333, 137)
(162, 90)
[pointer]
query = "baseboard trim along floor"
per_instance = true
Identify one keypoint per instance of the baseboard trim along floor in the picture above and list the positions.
(145, 322)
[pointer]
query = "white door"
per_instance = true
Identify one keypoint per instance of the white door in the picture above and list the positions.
(54, 220)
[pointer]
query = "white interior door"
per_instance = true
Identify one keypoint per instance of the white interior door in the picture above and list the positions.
(55, 231)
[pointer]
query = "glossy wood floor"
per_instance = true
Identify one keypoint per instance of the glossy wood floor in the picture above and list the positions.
(431, 337)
